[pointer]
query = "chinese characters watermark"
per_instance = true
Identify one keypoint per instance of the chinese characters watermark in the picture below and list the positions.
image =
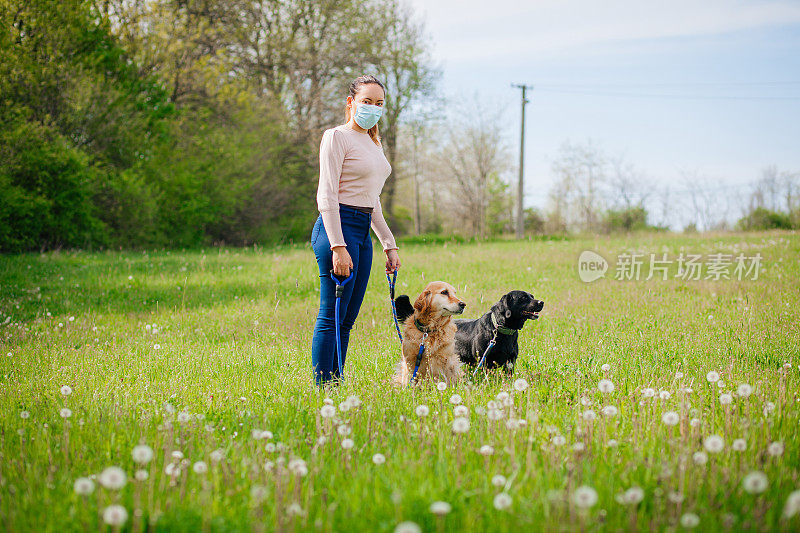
(689, 267)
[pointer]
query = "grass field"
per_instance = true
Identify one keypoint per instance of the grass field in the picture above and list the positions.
(203, 356)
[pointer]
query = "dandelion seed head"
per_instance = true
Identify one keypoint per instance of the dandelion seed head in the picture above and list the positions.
(422, 410)
(648, 392)
(460, 425)
(142, 454)
(670, 418)
(605, 386)
(712, 376)
(347, 444)
(407, 527)
(775, 449)
(584, 497)
(689, 520)
(441, 386)
(792, 505)
(755, 482)
(113, 478)
(699, 458)
(589, 415)
(744, 390)
(83, 486)
(115, 515)
(440, 508)
(498, 480)
(714, 444)
(65, 412)
(664, 395)
(739, 445)
(486, 450)
(455, 399)
(725, 398)
(520, 385)
(606, 367)
(610, 410)
(327, 411)
(378, 459)
(502, 501)
(66, 390)
(460, 410)
(200, 467)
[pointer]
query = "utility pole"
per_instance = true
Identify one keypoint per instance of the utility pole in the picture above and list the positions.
(520, 184)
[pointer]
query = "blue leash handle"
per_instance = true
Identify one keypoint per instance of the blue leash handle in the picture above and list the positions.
(339, 291)
(392, 283)
(483, 358)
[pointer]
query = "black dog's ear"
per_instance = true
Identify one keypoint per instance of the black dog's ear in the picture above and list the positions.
(504, 306)
(404, 308)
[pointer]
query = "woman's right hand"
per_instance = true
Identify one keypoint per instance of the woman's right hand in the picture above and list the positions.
(342, 263)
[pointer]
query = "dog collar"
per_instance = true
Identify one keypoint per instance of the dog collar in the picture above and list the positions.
(421, 327)
(501, 329)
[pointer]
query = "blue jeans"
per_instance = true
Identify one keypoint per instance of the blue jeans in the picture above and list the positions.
(355, 227)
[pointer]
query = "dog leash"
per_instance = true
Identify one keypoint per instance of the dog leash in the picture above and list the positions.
(339, 291)
(483, 358)
(392, 281)
(419, 356)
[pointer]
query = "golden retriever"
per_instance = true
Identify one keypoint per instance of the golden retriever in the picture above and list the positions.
(432, 311)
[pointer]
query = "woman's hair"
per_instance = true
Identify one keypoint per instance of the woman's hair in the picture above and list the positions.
(355, 86)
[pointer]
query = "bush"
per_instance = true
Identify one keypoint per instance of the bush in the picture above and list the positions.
(630, 219)
(761, 218)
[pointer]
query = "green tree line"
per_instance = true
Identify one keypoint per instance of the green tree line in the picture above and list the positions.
(150, 123)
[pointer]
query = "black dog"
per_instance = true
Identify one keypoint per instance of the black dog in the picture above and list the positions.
(502, 323)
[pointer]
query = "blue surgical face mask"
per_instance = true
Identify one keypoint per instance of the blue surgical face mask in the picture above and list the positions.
(367, 115)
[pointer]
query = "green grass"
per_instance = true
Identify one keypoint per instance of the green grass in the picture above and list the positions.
(234, 334)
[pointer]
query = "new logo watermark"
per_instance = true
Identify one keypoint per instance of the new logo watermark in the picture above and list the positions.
(688, 267)
(591, 266)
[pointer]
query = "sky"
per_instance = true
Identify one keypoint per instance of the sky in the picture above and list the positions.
(709, 88)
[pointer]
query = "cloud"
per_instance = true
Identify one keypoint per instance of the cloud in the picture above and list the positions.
(471, 31)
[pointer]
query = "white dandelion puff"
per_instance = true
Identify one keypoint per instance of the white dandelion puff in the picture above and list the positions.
(344, 430)
(689, 520)
(354, 401)
(558, 440)
(460, 425)
(792, 505)
(714, 444)
(115, 515)
(502, 501)
(200, 467)
(217, 456)
(66, 390)
(407, 527)
(498, 480)
(610, 410)
(502, 396)
(605, 386)
(347, 444)
(725, 398)
(460, 410)
(327, 411)
(455, 399)
(648, 392)
(24, 415)
(694, 422)
(520, 385)
(298, 467)
(441, 385)
(589, 415)
(422, 410)
(584, 497)
(755, 482)
(65, 412)
(664, 395)
(113, 478)
(712, 377)
(344, 406)
(184, 417)
(142, 454)
(606, 367)
(440, 508)
(700, 458)
(670, 418)
(486, 450)
(744, 390)
(775, 449)
(83, 486)
(739, 445)
(378, 458)
(141, 475)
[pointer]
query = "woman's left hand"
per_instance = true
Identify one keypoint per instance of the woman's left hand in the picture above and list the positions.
(392, 260)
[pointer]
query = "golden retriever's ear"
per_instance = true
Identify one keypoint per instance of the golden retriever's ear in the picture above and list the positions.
(422, 300)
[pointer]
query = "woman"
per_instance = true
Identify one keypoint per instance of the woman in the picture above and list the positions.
(352, 171)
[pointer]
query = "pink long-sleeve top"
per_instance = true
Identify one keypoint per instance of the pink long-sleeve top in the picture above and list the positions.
(352, 170)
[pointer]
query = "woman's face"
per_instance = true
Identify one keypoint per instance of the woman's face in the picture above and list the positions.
(369, 93)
